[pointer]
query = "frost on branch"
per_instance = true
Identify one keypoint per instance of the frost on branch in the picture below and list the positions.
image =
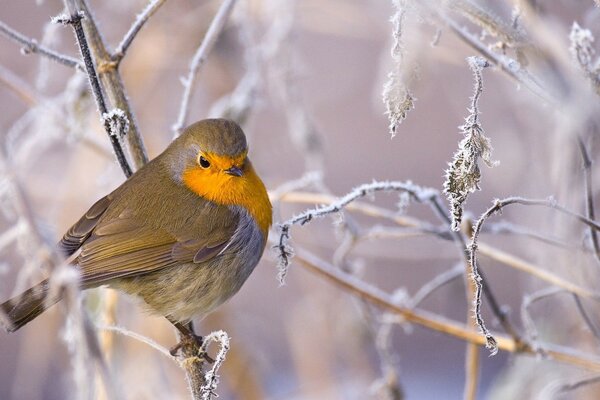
(582, 50)
(463, 176)
(116, 122)
(211, 378)
(396, 96)
(407, 189)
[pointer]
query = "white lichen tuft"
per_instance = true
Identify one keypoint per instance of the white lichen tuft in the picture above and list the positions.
(583, 52)
(463, 175)
(397, 97)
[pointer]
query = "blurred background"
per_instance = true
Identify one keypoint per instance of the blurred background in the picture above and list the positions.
(308, 78)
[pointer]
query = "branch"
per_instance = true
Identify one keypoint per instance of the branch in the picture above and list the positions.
(483, 248)
(589, 195)
(434, 322)
(506, 64)
(285, 252)
(112, 83)
(75, 21)
(141, 19)
(32, 46)
(210, 38)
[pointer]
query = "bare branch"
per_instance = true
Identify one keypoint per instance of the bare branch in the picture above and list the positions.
(210, 38)
(32, 46)
(285, 252)
(434, 322)
(589, 195)
(141, 19)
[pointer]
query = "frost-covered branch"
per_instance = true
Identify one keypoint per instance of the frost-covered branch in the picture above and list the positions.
(285, 252)
(212, 379)
(210, 38)
(109, 76)
(109, 119)
(589, 195)
(497, 207)
(32, 46)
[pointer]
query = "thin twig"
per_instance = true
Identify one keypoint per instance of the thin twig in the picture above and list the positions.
(434, 284)
(210, 38)
(135, 28)
(511, 67)
(589, 195)
(499, 205)
(18, 86)
(134, 335)
(32, 46)
(285, 252)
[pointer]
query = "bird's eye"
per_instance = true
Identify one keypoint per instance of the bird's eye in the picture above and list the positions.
(204, 163)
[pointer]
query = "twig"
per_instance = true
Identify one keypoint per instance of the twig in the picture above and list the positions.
(285, 252)
(472, 350)
(134, 335)
(568, 387)
(141, 19)
(586, 318)
(75, 21)
(534, 270)
(434, 284)
(499, 205)
(589, 195)
(506, 64)
(18, 86)
(210, 38)
(528, 300)
(32, 46)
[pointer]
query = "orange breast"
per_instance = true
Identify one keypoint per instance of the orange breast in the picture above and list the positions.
(247, 191)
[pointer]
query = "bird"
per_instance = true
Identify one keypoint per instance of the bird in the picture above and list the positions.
(183, 233)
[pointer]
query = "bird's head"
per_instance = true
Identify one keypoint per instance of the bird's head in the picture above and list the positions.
(211, 159)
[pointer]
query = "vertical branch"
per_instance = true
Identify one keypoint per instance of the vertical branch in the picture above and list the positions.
(213, 33)
(111, 81)
(589, 195)
(472, 351)
(75, 21)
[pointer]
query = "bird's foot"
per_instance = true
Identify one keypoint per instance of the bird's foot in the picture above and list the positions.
(193, 342)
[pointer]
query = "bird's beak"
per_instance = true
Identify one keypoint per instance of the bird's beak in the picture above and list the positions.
(234, 171)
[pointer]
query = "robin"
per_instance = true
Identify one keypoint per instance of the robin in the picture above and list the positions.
(183, 233)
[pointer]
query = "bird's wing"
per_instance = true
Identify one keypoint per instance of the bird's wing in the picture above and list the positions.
(125, 246)
(82, 229)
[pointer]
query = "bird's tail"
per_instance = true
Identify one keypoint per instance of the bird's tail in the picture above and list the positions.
(23, 308)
